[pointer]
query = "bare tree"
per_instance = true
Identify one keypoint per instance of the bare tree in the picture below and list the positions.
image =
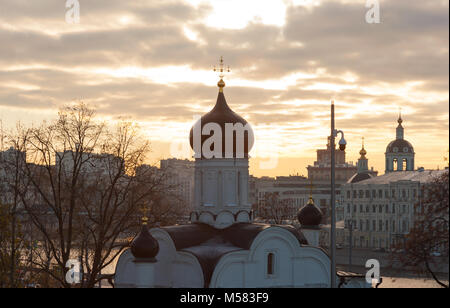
(430, 234)
(13, 244)
(82, 190)
(274, 209)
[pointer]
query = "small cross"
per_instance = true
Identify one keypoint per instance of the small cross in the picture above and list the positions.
(220, 69)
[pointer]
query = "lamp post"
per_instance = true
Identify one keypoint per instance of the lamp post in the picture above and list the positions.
(342, 144)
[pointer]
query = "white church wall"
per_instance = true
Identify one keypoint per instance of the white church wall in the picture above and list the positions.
(294, 265)
(125, 273)
(187, 272)
(231, 270)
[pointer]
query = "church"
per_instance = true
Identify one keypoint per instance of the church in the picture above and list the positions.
(222, 247)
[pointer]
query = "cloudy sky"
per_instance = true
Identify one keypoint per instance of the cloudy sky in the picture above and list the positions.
(152, 61)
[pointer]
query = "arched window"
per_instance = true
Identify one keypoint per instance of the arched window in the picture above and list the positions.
(404, 164)
(270, 263)
(395, 162)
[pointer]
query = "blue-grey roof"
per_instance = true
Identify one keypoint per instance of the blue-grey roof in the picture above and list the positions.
(424, 176)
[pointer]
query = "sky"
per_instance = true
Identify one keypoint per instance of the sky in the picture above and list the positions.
(151, 61)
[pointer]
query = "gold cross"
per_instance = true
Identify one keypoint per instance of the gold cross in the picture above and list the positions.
(144, 211)
(220, 69)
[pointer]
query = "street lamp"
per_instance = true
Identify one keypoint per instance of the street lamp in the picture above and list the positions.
(342, 144)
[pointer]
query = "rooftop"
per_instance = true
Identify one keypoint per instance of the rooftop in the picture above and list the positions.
(422, 176)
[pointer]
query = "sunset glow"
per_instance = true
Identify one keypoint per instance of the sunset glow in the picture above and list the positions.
(152, 61)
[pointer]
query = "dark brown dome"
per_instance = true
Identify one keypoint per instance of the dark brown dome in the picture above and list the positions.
(222, 114)
(144, 245)
(309, 215)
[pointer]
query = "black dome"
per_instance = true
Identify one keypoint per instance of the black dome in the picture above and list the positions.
(221, 114)
(144, 245)
(309, 215)
(399, 146)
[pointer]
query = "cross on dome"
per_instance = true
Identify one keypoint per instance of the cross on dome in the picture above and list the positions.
(221, 70)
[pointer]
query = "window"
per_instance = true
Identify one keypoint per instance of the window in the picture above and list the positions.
(387, 225)
(348, 194)
(380, 225)
(393, 193)
(270, 263)
(367, 225)
(374, 193)
(361, 210)
(380, 193)
(367, 193)
(380, 209)
(374, 208)
(354, 194)
(361, 193)
(404, 193)
(374, 225)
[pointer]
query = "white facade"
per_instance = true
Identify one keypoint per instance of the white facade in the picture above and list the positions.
(384, 207)
(221, 196)
(293, 265)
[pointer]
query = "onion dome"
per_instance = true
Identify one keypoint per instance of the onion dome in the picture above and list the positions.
(239, 142)
(363, 152)
(144, 245)
(310, 215)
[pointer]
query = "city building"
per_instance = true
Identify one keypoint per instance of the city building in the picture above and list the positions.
(321, 169)
(382, 208)
(223, 246)
(180, 178)
(294, 190)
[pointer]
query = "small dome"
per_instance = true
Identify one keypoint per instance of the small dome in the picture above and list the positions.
(310, 215)
(363, 152)
(144, 245)
(399, 146)
(222, 114)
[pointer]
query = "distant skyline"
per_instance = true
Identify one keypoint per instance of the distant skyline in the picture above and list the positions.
(151, 61)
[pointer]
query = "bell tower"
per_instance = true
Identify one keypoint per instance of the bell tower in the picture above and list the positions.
(221, 140)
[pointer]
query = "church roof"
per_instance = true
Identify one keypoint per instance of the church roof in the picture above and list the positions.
(358, 177)
(422, 176)
(209, 244)
(399, 146)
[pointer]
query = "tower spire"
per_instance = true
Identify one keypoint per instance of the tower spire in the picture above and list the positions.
(400, 130)
(363, 151)
(221, 70)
